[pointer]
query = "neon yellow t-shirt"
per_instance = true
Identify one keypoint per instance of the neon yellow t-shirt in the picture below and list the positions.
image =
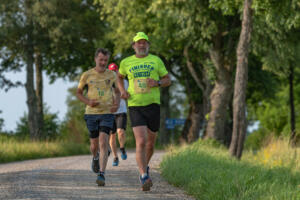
(138, 70)
(100, 87)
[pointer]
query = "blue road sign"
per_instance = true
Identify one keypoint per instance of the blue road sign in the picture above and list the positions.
(171, 123)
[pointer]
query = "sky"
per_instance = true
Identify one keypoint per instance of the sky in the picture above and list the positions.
(13, 103)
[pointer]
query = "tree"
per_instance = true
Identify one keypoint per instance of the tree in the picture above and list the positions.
(281, 46)
(55, 36)
(241, 78)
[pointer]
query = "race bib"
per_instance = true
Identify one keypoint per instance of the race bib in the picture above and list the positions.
(141, 86)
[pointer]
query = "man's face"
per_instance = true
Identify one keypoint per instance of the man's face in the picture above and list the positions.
(101, 60)
(141, 47)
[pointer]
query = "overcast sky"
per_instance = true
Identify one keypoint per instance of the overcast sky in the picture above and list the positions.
(13, 102)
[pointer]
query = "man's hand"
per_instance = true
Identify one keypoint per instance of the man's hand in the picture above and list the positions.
(152, 83)
(93, 102)
(114, 108)
(125, 95)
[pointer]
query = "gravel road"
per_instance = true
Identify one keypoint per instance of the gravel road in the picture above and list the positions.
(71, 178)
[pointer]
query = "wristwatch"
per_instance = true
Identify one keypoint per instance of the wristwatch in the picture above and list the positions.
(159, 83)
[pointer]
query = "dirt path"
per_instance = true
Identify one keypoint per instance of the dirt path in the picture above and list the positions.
(71, 178)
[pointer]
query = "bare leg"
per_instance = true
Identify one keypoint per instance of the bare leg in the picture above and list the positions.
(121, 137)
(103, 143)
(140, 134)
(150, 145)
(94, 145)
(113, 145)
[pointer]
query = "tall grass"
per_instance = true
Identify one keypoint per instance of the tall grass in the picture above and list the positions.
(15, 150)
(206, 171)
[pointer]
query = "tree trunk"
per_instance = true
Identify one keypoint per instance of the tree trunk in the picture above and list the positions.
(241, 78)
(30, 92)
(221, 94)
(292, 108)
(165, 113)
(192, 126)
(39, 92)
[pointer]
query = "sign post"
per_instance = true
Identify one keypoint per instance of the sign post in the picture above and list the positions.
(171, 123)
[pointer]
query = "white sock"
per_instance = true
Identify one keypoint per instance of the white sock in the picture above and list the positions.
(144, 175)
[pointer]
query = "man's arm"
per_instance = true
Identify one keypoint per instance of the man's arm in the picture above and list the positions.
(165, 81)
(82, 98)
(120, 80)
(116, 101)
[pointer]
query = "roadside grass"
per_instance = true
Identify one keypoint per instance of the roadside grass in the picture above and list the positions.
(16, 150)
(206, 171)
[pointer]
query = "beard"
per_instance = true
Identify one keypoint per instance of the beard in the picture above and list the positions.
(142, 51)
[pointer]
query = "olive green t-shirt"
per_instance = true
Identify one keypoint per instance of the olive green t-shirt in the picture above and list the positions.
(100, 87)
(138, 70)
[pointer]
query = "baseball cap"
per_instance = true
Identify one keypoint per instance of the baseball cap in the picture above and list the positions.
(140, 36)
(113, 67)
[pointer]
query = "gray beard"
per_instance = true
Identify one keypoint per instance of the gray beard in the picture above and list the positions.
(143, 52)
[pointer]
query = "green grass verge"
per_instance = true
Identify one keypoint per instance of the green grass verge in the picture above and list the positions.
(207, 172)
(14, 150)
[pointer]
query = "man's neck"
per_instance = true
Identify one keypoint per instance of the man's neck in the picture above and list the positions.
(100, 69)
(140, 56)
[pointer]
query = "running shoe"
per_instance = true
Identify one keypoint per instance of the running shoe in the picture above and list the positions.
(148, 169)
(100, 179)
(123, 154)
(146, 183)
(115, 162)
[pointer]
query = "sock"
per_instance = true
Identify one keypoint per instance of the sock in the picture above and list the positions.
(144, 175)
(122, 149)
(101, 173)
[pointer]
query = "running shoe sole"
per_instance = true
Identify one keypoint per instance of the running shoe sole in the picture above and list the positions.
(147, 185)
(100, 182)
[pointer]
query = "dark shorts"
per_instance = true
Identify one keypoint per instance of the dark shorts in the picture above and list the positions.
(145, 116)
(99, 123)
(120, 122)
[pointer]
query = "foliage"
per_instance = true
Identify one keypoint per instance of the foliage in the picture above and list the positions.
(278, 153)
(13, 149)
(51, 126)
(1, 122)
(74, 127)
(207, 172)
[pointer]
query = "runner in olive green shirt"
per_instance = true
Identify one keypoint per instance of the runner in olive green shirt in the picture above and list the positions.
(146, 73)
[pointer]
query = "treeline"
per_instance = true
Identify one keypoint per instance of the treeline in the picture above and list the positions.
(236, 61)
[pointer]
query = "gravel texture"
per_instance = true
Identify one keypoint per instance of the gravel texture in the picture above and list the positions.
(72, 178)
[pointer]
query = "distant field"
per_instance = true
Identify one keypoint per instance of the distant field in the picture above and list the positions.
(206, 171)
(15, 150)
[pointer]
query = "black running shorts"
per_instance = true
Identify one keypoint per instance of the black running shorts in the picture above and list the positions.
(120, 122)
(145, 116)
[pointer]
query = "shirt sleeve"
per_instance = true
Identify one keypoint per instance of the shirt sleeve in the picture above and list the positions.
(82, 81)
(162, 71)
(122, 70)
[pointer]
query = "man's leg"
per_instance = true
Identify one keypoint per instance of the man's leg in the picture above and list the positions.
(121, 137)
(150, 145)
(113, 144)
(94, 146)
(103, 144)
(140, 134)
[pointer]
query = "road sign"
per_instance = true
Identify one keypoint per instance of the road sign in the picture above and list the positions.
(171, 123)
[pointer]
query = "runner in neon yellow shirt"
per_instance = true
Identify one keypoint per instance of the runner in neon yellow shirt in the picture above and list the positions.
(146, 73)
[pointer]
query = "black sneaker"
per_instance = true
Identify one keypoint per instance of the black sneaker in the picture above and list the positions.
(100, 179)
(95, 164)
